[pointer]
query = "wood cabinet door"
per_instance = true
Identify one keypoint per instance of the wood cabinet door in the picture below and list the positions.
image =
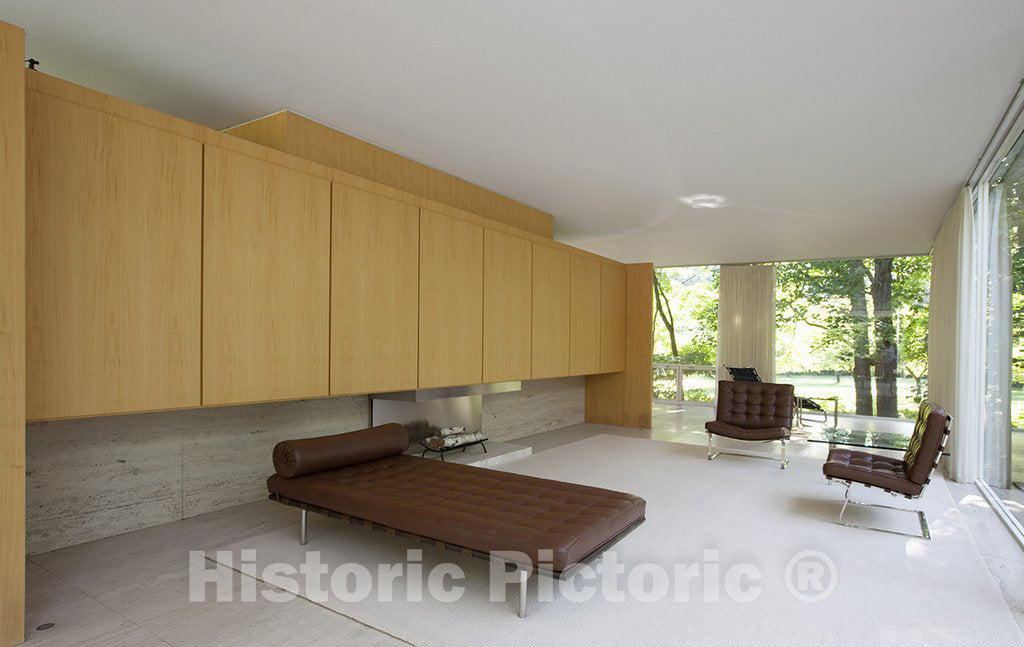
(584, 316)
(451, 301)
(266, 275)
(613, 319)
(113, 264)
(508, 306)
(375, 245)
(550, 312)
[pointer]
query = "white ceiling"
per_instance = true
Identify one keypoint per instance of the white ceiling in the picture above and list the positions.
(834, 128)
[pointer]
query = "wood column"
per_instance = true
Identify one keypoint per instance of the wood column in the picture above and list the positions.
(624, 398)
(12, 335)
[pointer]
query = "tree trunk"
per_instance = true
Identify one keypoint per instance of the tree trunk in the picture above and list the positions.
(885, 339)
(665, 312)
(859, 339)
(917, 381)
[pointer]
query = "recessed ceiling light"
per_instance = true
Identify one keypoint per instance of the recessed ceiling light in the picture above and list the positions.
(704, 201)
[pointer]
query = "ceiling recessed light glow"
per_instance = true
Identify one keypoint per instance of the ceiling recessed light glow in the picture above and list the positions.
(704, 201)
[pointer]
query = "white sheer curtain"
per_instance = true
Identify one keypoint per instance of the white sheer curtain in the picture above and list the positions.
(955, 339)
(746, 319)
(969, 336)
(998, 340)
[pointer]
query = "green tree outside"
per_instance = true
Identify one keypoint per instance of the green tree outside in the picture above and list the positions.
(863, 318)
(856, 328)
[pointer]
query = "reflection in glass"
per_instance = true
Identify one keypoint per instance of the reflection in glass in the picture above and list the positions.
(1004, 443)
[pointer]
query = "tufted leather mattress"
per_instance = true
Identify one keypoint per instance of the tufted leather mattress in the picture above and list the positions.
(870, 469)
(471, 507)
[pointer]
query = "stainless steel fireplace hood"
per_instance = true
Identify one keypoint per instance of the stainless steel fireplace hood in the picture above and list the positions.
(426, 411)
(423, 395)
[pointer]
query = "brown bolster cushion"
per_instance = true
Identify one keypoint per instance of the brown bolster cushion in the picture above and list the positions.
(308, 455)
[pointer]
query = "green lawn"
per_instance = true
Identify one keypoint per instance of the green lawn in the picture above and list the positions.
(1017, 408)
(701, 387)
(825, 385)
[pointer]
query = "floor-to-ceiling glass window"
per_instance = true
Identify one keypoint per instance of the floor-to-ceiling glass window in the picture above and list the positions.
(855, 330)
(685, 333)
(1005, 200)
(999, 245)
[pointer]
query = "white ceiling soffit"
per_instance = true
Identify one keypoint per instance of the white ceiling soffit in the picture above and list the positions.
(832, 129)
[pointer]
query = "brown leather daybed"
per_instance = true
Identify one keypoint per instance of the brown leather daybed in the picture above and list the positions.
(365, 477)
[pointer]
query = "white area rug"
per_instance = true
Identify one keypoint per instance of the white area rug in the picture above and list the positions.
(890, 590)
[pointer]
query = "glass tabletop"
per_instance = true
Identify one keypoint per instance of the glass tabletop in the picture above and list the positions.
(859, 438)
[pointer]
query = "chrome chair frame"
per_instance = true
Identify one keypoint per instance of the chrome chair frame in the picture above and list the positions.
(921, 517)
(782, 459)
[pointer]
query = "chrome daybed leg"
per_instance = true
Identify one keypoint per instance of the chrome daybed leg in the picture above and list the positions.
(302, 529)
(524, 579)
(922, 519)
(784, 461)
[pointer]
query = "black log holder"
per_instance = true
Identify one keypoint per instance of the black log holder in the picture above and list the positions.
(445, 450)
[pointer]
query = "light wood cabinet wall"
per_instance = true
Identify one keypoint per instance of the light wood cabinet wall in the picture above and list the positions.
(508, 307)
(113, 265)
(584, 316)
(245, 281)
(266, 274)
(375, 245)
(624, 397)
(308, 139)
(550, 312)
(613, 319)
(451, 301)
(12, 335)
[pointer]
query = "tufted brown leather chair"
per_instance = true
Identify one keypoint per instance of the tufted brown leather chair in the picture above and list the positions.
(756, 411)
(907, 476)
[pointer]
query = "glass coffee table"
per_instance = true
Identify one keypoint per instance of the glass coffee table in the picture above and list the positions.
(858, 438)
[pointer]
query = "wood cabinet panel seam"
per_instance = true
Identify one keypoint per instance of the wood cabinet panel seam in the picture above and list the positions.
(330, 291)
(202, 270)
